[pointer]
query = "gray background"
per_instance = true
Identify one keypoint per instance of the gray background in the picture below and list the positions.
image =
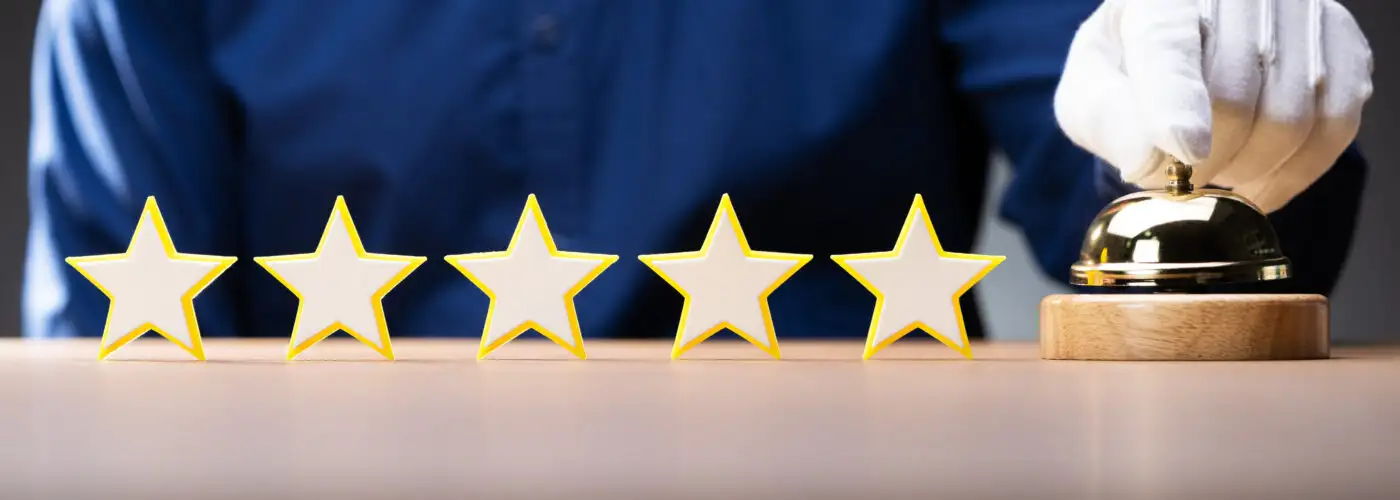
(17, 19)
(1010, 294)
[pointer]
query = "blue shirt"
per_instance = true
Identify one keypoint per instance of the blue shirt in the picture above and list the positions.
(628, 119)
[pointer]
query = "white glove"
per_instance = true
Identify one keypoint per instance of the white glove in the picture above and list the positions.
(1260, 96)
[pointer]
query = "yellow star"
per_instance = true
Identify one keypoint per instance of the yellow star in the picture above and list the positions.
(726, 284)
(917, 285)
(340, 286)
(531, 284)
(151, 287)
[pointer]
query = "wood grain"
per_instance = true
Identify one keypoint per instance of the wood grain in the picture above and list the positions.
(1184, 327)
(917, 422)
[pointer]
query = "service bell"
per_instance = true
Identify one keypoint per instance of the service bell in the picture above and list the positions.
(1178, 239)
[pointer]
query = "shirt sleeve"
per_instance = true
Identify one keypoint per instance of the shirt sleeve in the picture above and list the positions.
(1008, 57)
(125, 106)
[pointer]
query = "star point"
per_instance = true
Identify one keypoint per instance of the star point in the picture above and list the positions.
(917, 285)
(725, 284)
(340, 286)
(151, 286)
(531, 284)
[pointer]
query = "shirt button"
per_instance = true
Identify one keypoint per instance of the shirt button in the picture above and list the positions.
(546, 32)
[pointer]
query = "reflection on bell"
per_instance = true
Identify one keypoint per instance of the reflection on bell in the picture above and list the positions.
(1179, 238)
(1172, 241)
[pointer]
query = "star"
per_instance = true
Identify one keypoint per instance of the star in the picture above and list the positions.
(340, 286)
(726, 284)
(531, 284)
(917, 285)
(152, 286)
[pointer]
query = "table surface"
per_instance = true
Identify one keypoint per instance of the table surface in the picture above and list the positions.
(916, 422)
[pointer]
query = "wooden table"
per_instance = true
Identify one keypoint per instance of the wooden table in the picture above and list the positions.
(917, 422)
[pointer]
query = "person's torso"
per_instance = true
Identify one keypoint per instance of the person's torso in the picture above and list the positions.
(627, 119)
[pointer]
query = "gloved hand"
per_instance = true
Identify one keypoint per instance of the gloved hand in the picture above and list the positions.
(1260, 96)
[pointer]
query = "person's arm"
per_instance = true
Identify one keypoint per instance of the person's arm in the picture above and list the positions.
(125, 106)
(1010, 56)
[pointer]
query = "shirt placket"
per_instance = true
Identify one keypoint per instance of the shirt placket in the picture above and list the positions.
(550, 122)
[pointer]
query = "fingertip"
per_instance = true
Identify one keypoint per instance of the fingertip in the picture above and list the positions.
(1188, 139)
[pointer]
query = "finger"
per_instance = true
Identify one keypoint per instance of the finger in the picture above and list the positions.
(1233, 78)
(1292, 52)
(1093, 102)
(1162, 58)
(1343, 93)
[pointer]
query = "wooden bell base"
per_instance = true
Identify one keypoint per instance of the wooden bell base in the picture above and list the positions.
(1184, 327)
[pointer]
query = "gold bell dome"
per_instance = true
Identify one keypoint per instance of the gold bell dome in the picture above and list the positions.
(1179, 238)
